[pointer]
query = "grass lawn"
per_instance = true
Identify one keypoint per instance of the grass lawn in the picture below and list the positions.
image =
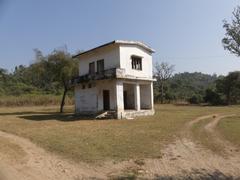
(99, 140)
(230, 129)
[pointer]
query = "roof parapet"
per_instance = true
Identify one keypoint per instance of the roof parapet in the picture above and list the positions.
(138, 43)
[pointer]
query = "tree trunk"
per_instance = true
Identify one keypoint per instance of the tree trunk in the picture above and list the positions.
(162, 93)
(63, 100)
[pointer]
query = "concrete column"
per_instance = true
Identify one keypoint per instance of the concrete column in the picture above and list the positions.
(137, 97)
(119, 99)
(152, 96)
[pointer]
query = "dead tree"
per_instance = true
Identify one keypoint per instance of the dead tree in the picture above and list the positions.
(163, 71)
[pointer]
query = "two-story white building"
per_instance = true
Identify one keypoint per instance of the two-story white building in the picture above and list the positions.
(115, 77)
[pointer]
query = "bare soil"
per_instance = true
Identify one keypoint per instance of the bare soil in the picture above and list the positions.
(182, 159)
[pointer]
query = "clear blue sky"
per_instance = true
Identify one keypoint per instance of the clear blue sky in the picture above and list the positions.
(186, 33)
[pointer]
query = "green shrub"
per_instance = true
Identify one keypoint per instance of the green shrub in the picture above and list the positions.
(195, 99)
(213, 98)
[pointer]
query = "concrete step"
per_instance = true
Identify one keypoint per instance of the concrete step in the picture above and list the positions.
(106, 115)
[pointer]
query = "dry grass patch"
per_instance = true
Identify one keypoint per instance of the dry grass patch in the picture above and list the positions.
(33, 100)
(230, 129)
(95, 141)
(10, 151)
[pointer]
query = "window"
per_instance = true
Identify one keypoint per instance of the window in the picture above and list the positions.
(100, 66)
(92, 68)
(89, 85)
(83, 86)
(136, 62)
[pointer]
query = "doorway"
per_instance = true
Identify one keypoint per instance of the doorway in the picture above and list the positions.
(128, 96)
(125, 99)
(106, 100)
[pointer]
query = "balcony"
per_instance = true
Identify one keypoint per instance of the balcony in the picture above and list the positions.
(106, 74)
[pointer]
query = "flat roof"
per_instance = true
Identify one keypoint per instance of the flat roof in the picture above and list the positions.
(138, 43)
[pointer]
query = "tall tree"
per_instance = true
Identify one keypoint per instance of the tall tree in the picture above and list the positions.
(163, 72)
(229, 86)
(3, 74)
(231, 41)
(3, 79)
(63, 68)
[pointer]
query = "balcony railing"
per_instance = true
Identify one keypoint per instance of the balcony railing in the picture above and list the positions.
(106, 74)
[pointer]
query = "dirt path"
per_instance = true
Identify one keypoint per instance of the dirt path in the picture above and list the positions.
(38, 164)
(183, 158)
(211, 126)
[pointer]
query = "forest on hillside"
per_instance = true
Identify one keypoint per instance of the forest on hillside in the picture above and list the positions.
(183, 86)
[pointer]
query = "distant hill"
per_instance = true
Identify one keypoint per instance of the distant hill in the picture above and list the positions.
(183, 86)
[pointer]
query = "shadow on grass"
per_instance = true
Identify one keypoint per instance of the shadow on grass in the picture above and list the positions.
(24, 113)
(56, 116)
(45, 116)
(198, 174)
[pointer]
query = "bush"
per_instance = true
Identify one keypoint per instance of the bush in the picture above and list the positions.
(195, 99)
(213, 98)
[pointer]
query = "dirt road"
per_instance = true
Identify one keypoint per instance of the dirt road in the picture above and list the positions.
(183, 159)
(38, 164)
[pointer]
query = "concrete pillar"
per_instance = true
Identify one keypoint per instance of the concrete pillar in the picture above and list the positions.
(119, 99)
(152, 96)
(137, 97)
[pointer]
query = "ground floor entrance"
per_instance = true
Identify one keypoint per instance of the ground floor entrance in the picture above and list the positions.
(134, 98)
(106, 100)
(123, 96)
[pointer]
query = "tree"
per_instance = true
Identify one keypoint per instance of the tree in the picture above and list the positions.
(212, 97)
(63, 68)
(195, 99)
(163, 72)
(231, 41)
(186, 85)
(229, 86)
(3, 74)
(3, 79)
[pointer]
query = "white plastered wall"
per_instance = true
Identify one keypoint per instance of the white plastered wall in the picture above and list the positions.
(126, 51)
(145, 96)
(110, 54)
(90, 100)
(85, 99)
(106, 85)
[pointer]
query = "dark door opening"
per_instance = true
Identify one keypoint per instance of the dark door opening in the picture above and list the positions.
(125, 99)
(106, 100)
